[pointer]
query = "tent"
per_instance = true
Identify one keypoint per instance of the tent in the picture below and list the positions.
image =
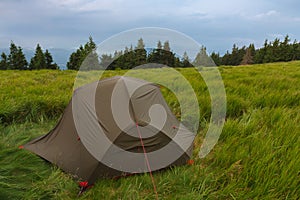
(114, 127)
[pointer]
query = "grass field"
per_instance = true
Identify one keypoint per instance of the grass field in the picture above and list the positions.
(257, 156)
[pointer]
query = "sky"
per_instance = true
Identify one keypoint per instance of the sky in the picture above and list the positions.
(216, 24)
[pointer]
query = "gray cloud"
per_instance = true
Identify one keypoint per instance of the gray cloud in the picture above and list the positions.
(215, 24)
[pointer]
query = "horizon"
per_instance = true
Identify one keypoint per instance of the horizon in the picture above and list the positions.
(61, 56)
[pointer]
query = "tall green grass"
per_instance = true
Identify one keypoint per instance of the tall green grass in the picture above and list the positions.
(257, 156)
(30, 95)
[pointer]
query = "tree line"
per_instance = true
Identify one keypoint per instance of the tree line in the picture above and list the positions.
(16, 59)
(86, 57)
(272, 51)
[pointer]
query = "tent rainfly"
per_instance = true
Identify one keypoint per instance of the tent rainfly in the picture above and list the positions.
(111, 127)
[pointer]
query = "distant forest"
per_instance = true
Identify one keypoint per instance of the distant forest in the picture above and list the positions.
(273, 51)
(86, 57)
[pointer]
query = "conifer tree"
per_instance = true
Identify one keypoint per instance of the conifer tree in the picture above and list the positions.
(156, 55)
(49, 61)
(216, 58)
(16, 58)
(140, 53)
(202, 59)
(168, 57)
(38, 61)
(86, 54)
(248, 57)
(3, 62)
(186, 62)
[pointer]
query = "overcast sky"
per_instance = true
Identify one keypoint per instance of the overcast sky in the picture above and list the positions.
(217, 24)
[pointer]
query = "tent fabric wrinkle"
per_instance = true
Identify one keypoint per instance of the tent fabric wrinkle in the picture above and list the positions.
(110, 127)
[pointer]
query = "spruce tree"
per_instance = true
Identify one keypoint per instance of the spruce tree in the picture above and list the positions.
(86, 54)
(38, 61)
(261, 53)
(286, 49)
(156, 55)
(22, 62)
(140, 53)
(49, 61)
(74, 60)
(202, 59)
(269, 56)
(168, 57)
(16, 58)
(126, 59)
(248, 58)
(90, 56)
(3, 62)
(119, 60)
(186, 62)
(177, 62)
(226, 58)
(216, 58)
(237, 55)
(296, 50)
(129, 58)
(12, 57)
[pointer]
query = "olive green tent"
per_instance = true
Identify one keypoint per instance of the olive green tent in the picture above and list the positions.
(111, 128)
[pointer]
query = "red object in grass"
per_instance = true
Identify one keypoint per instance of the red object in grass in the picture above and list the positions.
(190, 162)
(21, 147)
(83, 184)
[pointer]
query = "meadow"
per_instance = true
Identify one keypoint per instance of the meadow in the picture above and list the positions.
(256, 157)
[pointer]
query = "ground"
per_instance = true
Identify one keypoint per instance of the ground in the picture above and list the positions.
(256, 156)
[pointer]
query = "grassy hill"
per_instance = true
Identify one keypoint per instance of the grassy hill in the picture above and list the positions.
(257, 156)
